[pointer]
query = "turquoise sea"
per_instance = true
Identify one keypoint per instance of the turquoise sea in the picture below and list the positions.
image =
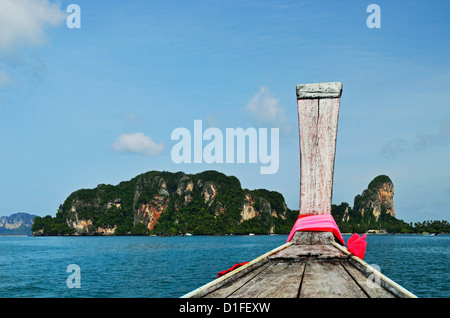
(169, 267)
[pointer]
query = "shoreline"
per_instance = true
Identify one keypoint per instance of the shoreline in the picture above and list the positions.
(183, 235)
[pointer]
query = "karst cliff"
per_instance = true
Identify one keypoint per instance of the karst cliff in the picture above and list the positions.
(166, 203)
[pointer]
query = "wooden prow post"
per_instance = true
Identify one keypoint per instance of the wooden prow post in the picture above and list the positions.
(318, 112)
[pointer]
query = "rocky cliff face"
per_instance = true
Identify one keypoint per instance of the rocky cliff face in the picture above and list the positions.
(377, 198)
(16, 224)
(164, 202)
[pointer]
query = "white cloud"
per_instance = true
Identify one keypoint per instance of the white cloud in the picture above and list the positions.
(265, 109)
(137, 143)
(23, 21)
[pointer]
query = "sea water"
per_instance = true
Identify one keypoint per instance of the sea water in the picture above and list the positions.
(169, 267)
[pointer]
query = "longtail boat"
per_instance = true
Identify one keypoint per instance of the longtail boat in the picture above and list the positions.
(314, 262)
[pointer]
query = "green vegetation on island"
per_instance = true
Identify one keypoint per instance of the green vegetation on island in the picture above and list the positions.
(211, 203)
(358, 223)
(165, 203)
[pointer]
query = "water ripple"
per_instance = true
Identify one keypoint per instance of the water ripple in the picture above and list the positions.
(120, 267)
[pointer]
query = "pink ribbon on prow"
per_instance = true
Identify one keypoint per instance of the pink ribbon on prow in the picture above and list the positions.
(325, 223)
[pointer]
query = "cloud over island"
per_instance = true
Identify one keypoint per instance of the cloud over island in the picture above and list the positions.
(137, 143)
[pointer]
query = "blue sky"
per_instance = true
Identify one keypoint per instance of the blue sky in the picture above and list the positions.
(148, 67)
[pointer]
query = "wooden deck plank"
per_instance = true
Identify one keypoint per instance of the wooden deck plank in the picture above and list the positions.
(226, 290)
(385, 282)
(298, 252)
(331, 271)
(371, 286)
(328, 279)
(279, 280)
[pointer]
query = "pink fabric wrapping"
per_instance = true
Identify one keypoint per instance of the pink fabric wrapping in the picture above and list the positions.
(325, 223)
(321, 222)
(357, 245)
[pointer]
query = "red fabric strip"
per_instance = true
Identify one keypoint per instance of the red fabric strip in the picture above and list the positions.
(230, 269)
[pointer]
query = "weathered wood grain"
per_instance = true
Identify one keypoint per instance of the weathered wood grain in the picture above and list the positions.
(234, 285)
(279, 280)
(312, 238)
(308, 112)
(327, 134)
(369, 284)
(383, 281)
(319, 90)
(301, 252)
(328, 279)
(318, 120)
(235, 275)
(305, 271)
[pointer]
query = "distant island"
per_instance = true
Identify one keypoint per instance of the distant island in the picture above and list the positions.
(16, 224)
(373, 212)
(211, 203)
